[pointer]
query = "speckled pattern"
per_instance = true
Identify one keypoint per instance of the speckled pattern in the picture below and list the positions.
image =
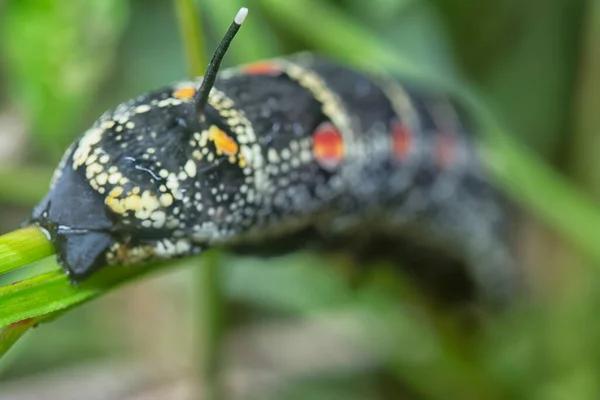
(286, 144)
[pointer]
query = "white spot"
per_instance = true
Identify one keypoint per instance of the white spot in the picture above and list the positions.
(190, 168)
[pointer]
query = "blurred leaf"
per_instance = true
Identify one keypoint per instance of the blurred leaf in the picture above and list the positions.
(24, 185)
(482, 31)
(523, 56)
(546, 194)
(329, 30)
(298, 283)
(585, 141)
(410, 28)
(57, 53)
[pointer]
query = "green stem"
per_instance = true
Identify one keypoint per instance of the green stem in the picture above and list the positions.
(583, 161)
(189, 25)
(210, 325)
(22, 247)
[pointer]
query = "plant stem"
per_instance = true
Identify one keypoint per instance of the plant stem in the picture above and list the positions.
(210, 300)
(190, 25)
(22, 247)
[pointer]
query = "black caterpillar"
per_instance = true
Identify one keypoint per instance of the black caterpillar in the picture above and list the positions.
(286, 152)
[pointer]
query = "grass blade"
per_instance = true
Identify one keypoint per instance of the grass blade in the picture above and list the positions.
(22, 247)
(194, 47)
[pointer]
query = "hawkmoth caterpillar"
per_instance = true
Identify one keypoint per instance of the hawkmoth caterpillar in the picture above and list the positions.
(276, 155)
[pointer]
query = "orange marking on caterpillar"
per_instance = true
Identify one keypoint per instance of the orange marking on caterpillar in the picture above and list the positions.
(402, 140)
(185, 93)
(328, 146)
(261, 68)
(222, 141)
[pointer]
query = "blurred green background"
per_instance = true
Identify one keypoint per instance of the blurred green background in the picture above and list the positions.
(299, 329)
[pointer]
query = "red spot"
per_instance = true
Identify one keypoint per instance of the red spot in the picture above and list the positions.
(328, 146)
(402, 140)
(261, 68)
(445, 149)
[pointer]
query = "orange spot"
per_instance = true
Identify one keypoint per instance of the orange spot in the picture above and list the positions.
(223, 142)
(328, 146)
(401, 140)
(261, 68)
(185, 93)
(445, 149)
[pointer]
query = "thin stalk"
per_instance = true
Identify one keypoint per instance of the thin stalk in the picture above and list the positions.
(210, 299)
(189, 26)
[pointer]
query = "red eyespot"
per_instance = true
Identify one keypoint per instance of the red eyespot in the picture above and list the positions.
(261, 68)
(328, 146)
(402, 140)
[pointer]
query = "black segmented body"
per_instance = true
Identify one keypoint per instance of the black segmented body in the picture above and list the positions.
(286, 145)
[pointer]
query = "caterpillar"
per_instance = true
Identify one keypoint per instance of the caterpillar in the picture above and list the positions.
(272, 156)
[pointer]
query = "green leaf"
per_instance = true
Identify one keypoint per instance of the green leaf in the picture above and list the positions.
(57, 54)
(45, 294)
(23, 247)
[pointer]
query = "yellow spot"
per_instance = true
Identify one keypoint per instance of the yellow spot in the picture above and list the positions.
(116, 192)
(190, 168)
(91, 138)
(149, 201)
(115, 205)
(91, 159)
(166, 200)
(93, 169)
(222, 141)
(132, 202)
(101, 179)
(184, 93)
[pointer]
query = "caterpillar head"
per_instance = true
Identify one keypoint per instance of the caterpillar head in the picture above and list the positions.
(161, 176)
